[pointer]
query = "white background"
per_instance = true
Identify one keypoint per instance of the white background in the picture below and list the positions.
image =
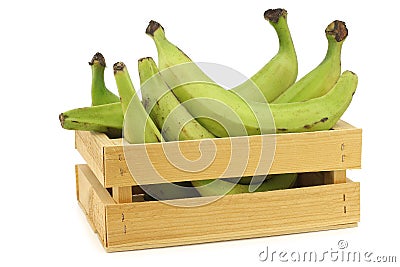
(45, 47)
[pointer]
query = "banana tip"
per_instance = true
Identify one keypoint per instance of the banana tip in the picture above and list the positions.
(145, 59)
(273, 15)
(119, 66)
(62, 118)
(337, 29)
(98, 57)
(152, 27)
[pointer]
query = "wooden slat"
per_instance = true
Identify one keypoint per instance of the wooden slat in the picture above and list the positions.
(91, 147)
(335, 177)
(93, 198)
(295, 152)
(122, 194)
(271, 213)
(190, 241)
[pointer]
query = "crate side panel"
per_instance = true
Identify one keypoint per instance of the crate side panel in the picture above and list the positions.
(318, 151)
(190, 241)
(155, 224)
(90, 145)
(93, 198)
(299, 152)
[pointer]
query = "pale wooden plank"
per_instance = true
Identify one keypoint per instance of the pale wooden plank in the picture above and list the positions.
(190, 241)
(299, 152)
(231, 218)
(342, 125)
(93, 199)
(122, 194)
(335, 177)
(90, 145)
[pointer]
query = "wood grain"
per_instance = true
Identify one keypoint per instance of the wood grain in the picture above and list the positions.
(122, 194)
(152, 224)
(93, 199)
(231, 218)
(336, 149)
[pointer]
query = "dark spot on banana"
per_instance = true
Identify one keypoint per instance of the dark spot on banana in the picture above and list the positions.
(145, 102)
(308, 126)
(282, 129)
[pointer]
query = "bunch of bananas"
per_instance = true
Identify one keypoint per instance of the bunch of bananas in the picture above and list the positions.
(180, 102)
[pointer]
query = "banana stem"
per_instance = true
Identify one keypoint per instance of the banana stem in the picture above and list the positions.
(98, 75)
(336, 33)
(98, 65)
(100, 94)
(126, 90)
(138, 126)
(278, 19)
(334, 49)
(153, 30)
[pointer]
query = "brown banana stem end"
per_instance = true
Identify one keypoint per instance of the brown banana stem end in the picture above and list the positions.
(62, 118)
(144, 59)
(337, 29)
(98, 57)
(119, 66)
(152, 27)
(273, 15)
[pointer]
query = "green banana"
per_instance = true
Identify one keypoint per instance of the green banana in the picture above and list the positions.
(172, 118)
(275, 77)
(226, 114)
(219, 107)
(161, 103)
(319, 113)
(100, 94)
(220, 187)
(106, 118)
(105, 115)
(281, 71)
(322, 78)
(135, 116)
(134, 113)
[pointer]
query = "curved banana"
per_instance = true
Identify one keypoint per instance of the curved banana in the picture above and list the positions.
(220, 187)
(106, 118)
(322, 78)
(177, 124)
(171, 118)
(281, 71)
(134, 113)
(220, 108)
(100, 94)
(275, 77)
(319, 113)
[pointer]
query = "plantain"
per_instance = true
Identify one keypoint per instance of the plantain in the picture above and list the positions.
(138, 126)
(321, 79)
(264, 86)
(100, 94)
(106, 118)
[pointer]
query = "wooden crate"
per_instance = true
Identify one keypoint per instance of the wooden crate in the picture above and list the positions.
(323, 198)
